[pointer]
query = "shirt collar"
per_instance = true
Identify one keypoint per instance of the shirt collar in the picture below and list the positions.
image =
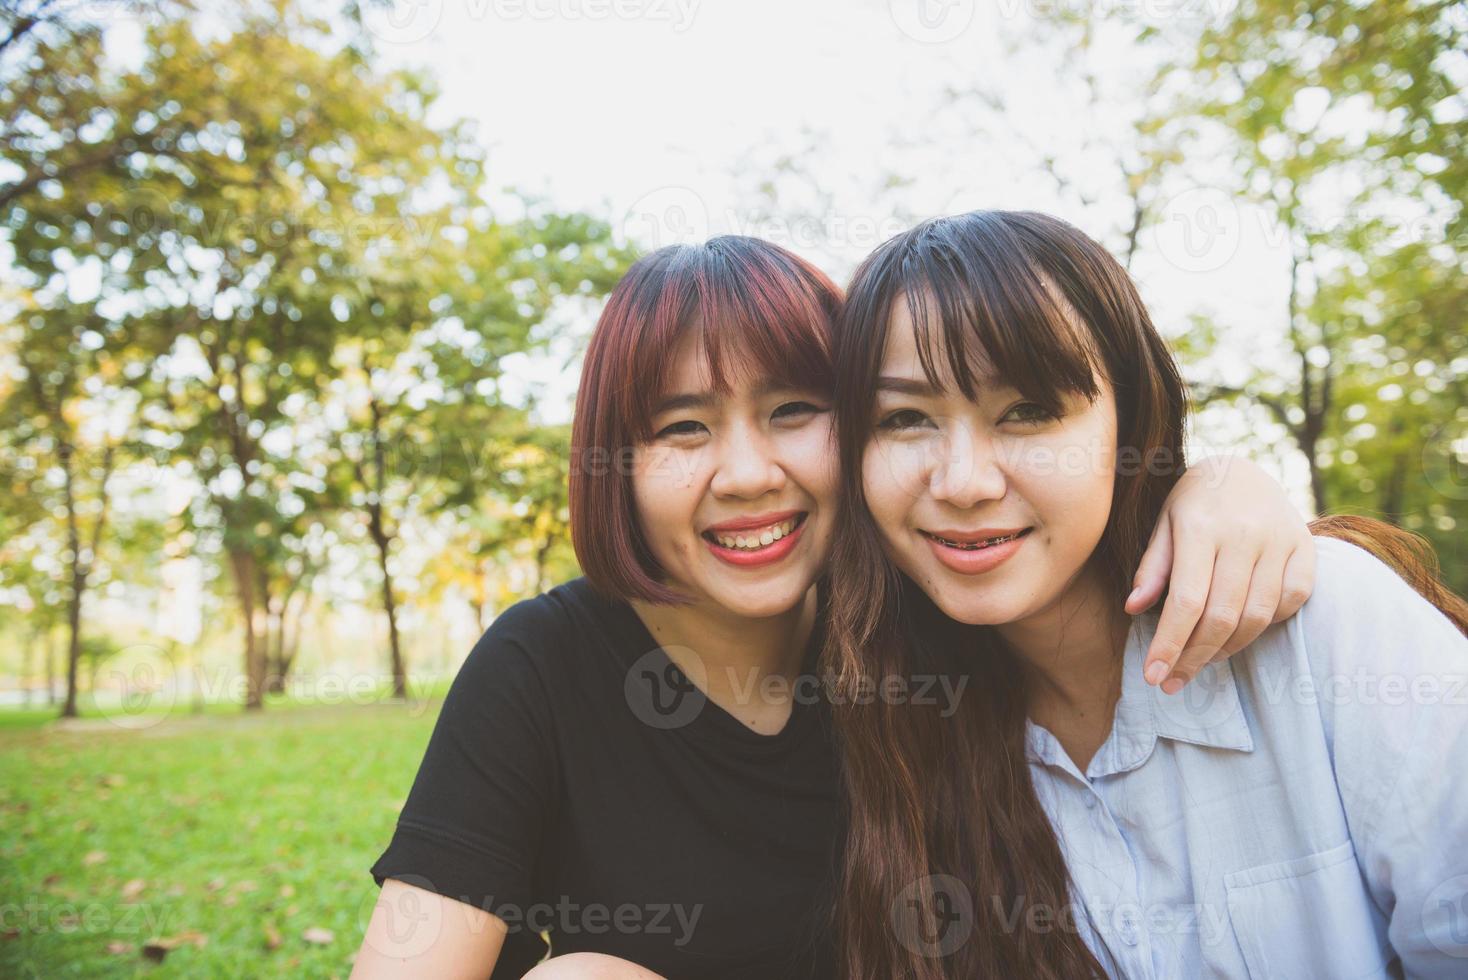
(1207, 712)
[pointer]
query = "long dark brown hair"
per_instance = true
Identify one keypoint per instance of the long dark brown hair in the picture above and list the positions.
(939, 805)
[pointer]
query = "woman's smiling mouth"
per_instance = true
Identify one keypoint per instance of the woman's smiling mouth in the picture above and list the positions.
(758, 541)
(975, 552)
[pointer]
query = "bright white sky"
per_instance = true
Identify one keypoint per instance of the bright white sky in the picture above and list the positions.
(668, 120)
(669, 116)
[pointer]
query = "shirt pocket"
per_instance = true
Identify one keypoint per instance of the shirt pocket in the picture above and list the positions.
(1308, 917)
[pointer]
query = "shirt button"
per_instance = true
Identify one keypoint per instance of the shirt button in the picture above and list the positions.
(1090, 802)
(1126, 926)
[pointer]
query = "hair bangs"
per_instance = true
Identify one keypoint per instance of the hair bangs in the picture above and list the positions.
(757, 310)
(984, 315)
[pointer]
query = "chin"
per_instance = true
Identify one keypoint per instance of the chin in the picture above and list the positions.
(760, 607)
(978, 605)
(761, 600)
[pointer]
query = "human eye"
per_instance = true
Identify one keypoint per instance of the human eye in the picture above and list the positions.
(797, 409)
(904, 419)
(1029, 413)
(686, 427)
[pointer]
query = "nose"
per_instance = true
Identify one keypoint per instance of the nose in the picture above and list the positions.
(968, 470)
(746, 463)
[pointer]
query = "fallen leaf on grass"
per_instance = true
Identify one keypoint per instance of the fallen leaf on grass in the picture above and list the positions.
(117, 949)
(133, 888)
(94, 857)
(319, 936)
(272, 936)
(156, 949)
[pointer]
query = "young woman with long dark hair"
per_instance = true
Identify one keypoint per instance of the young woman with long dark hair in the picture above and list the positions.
(1010, 425)
(626, 764)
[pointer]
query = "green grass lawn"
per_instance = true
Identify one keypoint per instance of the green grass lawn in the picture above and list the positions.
(233, 836)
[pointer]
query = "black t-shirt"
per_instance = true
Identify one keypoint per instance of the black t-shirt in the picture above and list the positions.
(577, 783)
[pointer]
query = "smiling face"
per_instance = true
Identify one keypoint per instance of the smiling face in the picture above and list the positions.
(993, 506)
(735, 493)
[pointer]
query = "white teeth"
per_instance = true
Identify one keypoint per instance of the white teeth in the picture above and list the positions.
(751, 540)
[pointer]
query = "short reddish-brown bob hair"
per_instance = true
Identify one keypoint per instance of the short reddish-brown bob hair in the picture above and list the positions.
(749, 299)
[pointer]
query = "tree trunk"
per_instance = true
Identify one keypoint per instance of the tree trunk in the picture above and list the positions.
(28, 665)
(50, 651)
(541, 555)
(82, 559)
(383, 539)
(283, 651)
(243, 564)
(399, 674)
(78, 582)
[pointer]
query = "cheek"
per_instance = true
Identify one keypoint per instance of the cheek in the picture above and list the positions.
(663, 489)
(810, 457)
(886, 487)
(1073, 488)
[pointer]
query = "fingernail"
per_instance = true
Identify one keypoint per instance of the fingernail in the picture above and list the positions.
(1172, 685)
(1155, 672)
(1133, 597)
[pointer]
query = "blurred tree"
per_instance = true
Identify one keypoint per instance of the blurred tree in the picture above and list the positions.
(242, 231)
(1347, 124)
(62, 433)
(420, 383)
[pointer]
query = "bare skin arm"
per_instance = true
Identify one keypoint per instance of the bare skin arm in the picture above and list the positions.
(417, 933)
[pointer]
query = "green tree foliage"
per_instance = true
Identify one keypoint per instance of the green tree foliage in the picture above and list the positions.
(264, 241)
(1347, 124)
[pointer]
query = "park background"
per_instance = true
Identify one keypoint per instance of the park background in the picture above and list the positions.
(292, 295)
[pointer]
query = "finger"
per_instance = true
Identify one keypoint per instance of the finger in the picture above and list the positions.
(1152, 571)
(1232, 573)
(1299, 582)
(1187, 595)
(1265, 589)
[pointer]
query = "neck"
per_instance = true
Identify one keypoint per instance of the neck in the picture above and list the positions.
(745, 665)
(1073, 649)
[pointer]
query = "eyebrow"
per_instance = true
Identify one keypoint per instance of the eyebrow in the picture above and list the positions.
(924, 389)
(704, 399)
(906, 386)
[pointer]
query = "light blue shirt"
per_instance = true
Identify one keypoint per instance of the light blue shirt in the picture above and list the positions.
(1299, 811)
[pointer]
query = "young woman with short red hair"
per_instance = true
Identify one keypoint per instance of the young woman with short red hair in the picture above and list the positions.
(638, 764)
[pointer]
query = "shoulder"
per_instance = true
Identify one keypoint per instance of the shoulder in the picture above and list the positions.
(1362, 610)
(557, 634)
(1352, 583)
(542, 634)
